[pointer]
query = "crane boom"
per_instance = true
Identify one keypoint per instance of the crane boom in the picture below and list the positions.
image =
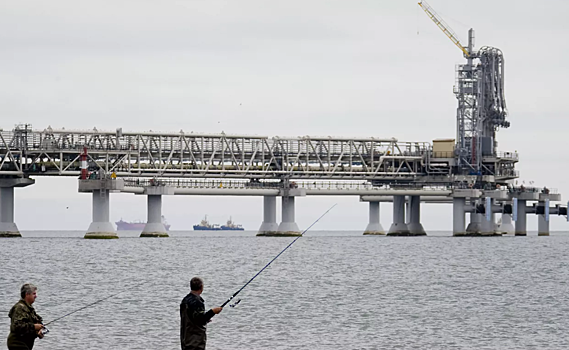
(443, 26)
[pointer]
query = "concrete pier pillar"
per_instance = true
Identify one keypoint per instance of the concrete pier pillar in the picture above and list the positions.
(398, 227)
(154, 226)
(506, 227)
(475, 226)
(269, 226)
(543, 222)
(8, 227)
(101, 227)
(415, 227)
(458, 216)
(288, 226)
(521, 220)
(493, 223)
(374, 226)
(488, 226)
(542, 226)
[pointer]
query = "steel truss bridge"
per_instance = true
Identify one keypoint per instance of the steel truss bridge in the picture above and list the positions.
(27, 152)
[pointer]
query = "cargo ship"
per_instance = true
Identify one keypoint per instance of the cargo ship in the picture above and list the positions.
(230, 226)
(204, 225)
(136, 225)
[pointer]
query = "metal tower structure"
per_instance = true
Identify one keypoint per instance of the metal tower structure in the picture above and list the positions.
(479, 89)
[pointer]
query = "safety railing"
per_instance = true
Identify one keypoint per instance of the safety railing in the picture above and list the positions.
(508, 155)
(255, 184)
(190, 183)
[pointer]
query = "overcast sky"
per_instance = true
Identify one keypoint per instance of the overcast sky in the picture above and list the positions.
(341, 68)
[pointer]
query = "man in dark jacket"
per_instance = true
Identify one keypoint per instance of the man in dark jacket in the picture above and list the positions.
(25, 324)
(194, 317)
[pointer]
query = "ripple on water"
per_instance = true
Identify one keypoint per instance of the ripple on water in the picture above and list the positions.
(329, 291)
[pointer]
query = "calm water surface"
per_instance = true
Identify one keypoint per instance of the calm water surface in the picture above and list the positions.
(331, 290)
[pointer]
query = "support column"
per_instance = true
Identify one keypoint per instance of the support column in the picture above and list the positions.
(288, 226)
(543, 221)
(415, 226)
(269, 226)
(154, 226)
(458, 216)
(474, 228)
(398, 227)
(489, 226)
(374, 226)
(101, 227)
(8, 227)
(521, 220)
(506, 226)
(408, 211)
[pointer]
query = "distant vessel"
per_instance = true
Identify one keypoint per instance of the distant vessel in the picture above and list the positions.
(136, 225)
(204, 225)
(230, 226)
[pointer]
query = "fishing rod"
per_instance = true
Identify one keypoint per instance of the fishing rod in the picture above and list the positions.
(86, 306)
(275, 258)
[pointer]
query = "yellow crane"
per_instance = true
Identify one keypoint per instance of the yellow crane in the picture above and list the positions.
(443, 26)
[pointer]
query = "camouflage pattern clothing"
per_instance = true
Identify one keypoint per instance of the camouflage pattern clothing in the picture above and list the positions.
(193, 320)
(22, 331)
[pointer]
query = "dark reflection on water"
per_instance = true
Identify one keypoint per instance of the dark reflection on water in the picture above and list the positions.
(337, 290)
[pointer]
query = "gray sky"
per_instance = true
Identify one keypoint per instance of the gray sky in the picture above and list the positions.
(289, 68)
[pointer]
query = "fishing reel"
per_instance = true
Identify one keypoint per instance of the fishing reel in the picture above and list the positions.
(44, 330)
(235, 303)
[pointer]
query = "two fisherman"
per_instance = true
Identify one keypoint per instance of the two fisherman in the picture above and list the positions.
(26, 325)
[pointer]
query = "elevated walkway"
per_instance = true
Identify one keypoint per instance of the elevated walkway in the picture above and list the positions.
(183, 155)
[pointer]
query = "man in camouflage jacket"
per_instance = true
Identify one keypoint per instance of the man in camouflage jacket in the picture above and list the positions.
(194, 317)
(25, 324)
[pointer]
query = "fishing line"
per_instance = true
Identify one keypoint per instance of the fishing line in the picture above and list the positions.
(275, 258)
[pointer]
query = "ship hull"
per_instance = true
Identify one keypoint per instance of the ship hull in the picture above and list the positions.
(222, 228)
(227, 228)
(205, 228)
